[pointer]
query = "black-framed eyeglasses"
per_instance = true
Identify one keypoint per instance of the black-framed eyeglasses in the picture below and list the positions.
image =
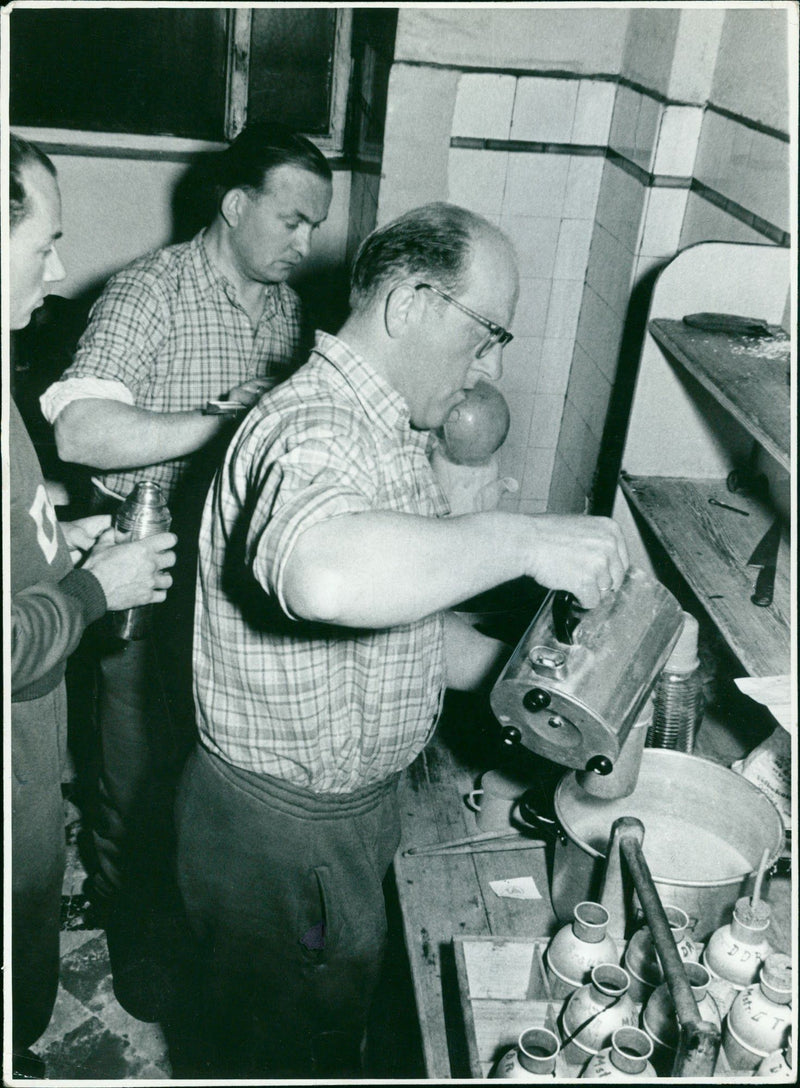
(497, 334)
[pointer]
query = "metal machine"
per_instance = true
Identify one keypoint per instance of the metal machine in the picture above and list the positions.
(577, 680)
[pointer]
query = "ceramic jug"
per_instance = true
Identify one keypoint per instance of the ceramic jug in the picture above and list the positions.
(660, 1020)
(594, 1012)
(533, 1057)
(735, 951)
(625, 1059)
(641, 959)
(578, 947)
(778, 1064)
(760, 1017)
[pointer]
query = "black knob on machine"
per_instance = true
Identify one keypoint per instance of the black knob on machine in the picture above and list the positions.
(536, 699)
(510, 735)
(600, 765)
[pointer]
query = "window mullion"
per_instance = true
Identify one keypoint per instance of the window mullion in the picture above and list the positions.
(239, 20)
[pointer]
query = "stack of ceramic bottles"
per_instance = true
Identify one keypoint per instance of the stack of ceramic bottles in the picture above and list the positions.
(741, 986)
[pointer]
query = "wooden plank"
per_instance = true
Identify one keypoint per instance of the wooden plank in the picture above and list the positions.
(746, 374)
(711, 547)
(438, 895)
(445, 896)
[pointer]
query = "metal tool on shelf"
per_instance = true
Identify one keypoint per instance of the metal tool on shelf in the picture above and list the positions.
(765, 555)
(726, 506)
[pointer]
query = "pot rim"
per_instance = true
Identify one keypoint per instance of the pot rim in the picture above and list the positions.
(669, 754)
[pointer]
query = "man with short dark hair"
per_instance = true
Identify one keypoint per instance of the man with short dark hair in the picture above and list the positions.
(323, 641)
(63, 578)
(173, 334)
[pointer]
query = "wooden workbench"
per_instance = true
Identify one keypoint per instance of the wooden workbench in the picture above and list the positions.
(443, 896)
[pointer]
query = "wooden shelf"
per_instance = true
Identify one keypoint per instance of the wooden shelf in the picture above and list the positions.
(746, 374)
(711, 547)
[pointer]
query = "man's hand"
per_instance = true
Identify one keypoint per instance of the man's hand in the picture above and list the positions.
(81, 534)
(584, 555)
(249, 392)
(133, 572)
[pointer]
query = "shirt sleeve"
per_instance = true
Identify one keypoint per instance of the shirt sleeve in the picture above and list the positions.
(47, 622)
(126, 328)
(318, 475)
(56, 398)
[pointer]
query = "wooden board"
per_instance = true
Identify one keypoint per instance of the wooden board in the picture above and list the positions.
(747, 374)
(443, 896)
(503, 990)
(711, 547)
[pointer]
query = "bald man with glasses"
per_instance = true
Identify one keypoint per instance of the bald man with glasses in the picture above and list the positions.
(323, 641)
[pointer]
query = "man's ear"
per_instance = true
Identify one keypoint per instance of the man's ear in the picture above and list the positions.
(231, 206)
(401, 309)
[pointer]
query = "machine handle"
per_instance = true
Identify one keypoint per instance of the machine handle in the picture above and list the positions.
(565, 619)
(533, 820)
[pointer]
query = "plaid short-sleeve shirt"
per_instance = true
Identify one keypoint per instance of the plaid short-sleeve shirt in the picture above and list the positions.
(327, 708)
(170, 329)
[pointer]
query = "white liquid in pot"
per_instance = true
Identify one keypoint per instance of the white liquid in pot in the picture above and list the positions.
(684, 852)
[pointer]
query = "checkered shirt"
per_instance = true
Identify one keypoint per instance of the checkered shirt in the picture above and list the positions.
(170, 329)
(327, 708)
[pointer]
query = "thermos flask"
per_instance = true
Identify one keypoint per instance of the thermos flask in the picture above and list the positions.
(143, 513)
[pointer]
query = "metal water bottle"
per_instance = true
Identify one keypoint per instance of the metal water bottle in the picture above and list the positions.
(143, 513)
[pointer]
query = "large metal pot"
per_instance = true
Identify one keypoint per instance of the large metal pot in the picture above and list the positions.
(706, 829)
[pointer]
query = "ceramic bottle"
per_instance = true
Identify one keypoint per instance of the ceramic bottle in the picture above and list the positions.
(759, 1019)
(578, 947)
(735, 951)
(625, 1059)
(533, 1057)
(660, 1020)
(594, 1012)
(778, 1064)
(641, 959)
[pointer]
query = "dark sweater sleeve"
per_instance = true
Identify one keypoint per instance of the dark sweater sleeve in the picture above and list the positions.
(47, 622)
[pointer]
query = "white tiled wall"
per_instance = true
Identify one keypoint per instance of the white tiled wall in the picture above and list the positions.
(587, 228)
(749, 167)
(546, 203)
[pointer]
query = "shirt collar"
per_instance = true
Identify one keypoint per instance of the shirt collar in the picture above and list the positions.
(379, 399)
(209, 278)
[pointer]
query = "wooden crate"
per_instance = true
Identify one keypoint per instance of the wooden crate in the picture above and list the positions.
(504, 989)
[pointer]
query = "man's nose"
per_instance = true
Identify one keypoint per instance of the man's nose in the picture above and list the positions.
(53, 268)
(491, 364)
(301, 241)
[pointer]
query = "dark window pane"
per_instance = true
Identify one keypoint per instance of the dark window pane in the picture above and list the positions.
(150, 71)
(291, 52)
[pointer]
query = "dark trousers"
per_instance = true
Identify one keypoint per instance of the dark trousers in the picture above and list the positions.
(38, 744)
(282, 889)
(145, 726)
(139, 762)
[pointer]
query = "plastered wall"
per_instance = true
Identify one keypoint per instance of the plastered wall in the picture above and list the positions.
(116, 209)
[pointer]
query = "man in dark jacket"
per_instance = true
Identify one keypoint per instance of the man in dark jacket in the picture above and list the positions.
(63, 577)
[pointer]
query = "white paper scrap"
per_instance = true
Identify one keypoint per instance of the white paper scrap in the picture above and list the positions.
(774, 692)
(519, 887)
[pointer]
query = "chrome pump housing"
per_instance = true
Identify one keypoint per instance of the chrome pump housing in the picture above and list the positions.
(578, 678)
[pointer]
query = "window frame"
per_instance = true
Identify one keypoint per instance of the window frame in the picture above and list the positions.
(69, 141)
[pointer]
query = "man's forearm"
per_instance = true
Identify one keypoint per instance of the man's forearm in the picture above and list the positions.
(380, 569)
(107, 434)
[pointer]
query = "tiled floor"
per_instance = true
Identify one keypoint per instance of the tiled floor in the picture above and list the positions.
(90, 1035)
